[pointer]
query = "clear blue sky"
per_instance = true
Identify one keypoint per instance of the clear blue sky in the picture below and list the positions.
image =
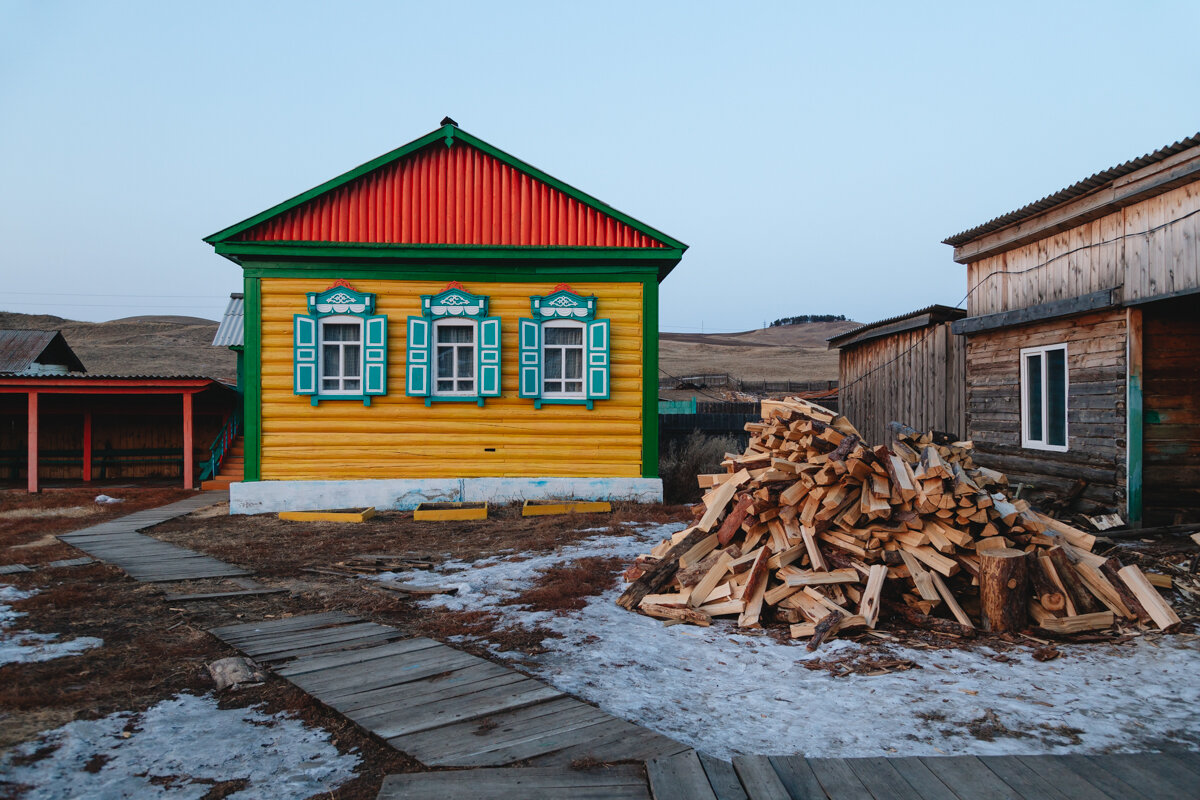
(812, 156)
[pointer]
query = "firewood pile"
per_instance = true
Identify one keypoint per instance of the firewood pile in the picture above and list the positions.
(813, 527)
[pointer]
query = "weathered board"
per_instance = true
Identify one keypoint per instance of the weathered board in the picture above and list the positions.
(1171, 411)
(1096, 357)
(917, 377)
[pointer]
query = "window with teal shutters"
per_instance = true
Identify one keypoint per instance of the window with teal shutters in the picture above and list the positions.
(304, 354)
(564, 350)
(529, 334)
(417, 360)
(597, 359)
(453, 351)
(339, 348)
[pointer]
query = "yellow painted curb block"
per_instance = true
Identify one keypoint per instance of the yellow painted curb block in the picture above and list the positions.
(444, 512)
(535, 509)
(334, 515)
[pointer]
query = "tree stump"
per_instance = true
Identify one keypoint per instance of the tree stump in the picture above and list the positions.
(1003, 596)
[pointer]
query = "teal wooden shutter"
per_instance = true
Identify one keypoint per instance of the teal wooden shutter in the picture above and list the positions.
(529, 334)
(597, 360)
(489, 357)
(417, 360)
(375, 354)
(304, 354)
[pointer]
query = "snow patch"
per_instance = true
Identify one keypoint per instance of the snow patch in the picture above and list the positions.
(26, 647)
(726, 691)
(178, 749)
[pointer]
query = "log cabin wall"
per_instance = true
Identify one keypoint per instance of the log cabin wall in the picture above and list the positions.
(917, 377)
(1149, 248)
(1171, 411)
(1096, 399)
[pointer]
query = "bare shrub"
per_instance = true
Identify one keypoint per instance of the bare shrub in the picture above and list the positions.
(680, 463)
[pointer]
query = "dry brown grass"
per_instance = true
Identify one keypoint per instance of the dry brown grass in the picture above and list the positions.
(566, 587)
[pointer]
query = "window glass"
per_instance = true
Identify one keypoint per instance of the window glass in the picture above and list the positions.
(1056, 397)
(455, 353)
(1033, 375)
(562, 360)
(341, 357)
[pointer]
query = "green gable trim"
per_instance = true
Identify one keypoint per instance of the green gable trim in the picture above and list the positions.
(650, 379)
(598, 258)
(252, 388)
(481, 272)
(448, 134)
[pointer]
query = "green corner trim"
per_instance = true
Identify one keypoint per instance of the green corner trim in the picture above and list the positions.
(1134, 444)
(252, 409)
(449, 134)
(649, 379)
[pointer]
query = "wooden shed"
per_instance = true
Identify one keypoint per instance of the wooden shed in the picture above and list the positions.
(447, 322)
(1082, 335)
(59, 424)
(909, 369)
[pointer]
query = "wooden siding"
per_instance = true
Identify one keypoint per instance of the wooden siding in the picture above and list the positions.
(455, 195)
(400, 437)
(1096, 358)
(1148, 248)
(1171, 407)
(925, 386)
(130, 423)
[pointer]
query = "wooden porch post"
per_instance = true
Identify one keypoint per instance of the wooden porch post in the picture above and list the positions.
(189, 467)
(87, 446)
(32, 465)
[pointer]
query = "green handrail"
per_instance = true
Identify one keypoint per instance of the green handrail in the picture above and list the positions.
(221, 445)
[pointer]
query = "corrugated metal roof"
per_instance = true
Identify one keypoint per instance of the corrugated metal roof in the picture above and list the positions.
(20, 349)
(937, 313)
(229, 332)
(449, 195)
(1073, 191)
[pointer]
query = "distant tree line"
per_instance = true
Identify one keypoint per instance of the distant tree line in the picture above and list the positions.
(805, 318)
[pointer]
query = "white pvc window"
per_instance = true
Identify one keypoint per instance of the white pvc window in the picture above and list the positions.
(1044, 390)
(341, 356)
(562, 360)
(454, 358)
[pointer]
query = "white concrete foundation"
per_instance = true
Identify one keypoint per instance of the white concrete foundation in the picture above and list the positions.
(263, 497)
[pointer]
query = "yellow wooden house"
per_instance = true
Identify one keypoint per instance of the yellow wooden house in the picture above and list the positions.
(447, 323)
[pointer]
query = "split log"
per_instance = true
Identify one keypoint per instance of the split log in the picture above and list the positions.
(1111, 570)
(734, 521)
(827, 625)
(1047, 591)
(660, 574)
(1002, 590)
(1082, 599)
(1162, 614)
(925, 622)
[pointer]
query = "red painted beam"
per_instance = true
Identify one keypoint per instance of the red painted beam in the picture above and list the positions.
(8, 388)
(87, 446)
(132, 384)
(189, 464)
(32, 465)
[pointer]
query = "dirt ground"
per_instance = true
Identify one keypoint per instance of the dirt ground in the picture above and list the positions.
(154, 650)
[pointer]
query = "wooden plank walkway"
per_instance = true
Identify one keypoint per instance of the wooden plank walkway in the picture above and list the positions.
(623, 782)
(148, 559)
(1135, 776)
(440, 705)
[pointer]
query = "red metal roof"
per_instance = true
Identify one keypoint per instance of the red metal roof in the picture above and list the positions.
(449, 195)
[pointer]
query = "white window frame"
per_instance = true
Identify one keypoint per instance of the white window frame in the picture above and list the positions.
(454, 322)
(564, 395)
(342, 377)
(1042, 444)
